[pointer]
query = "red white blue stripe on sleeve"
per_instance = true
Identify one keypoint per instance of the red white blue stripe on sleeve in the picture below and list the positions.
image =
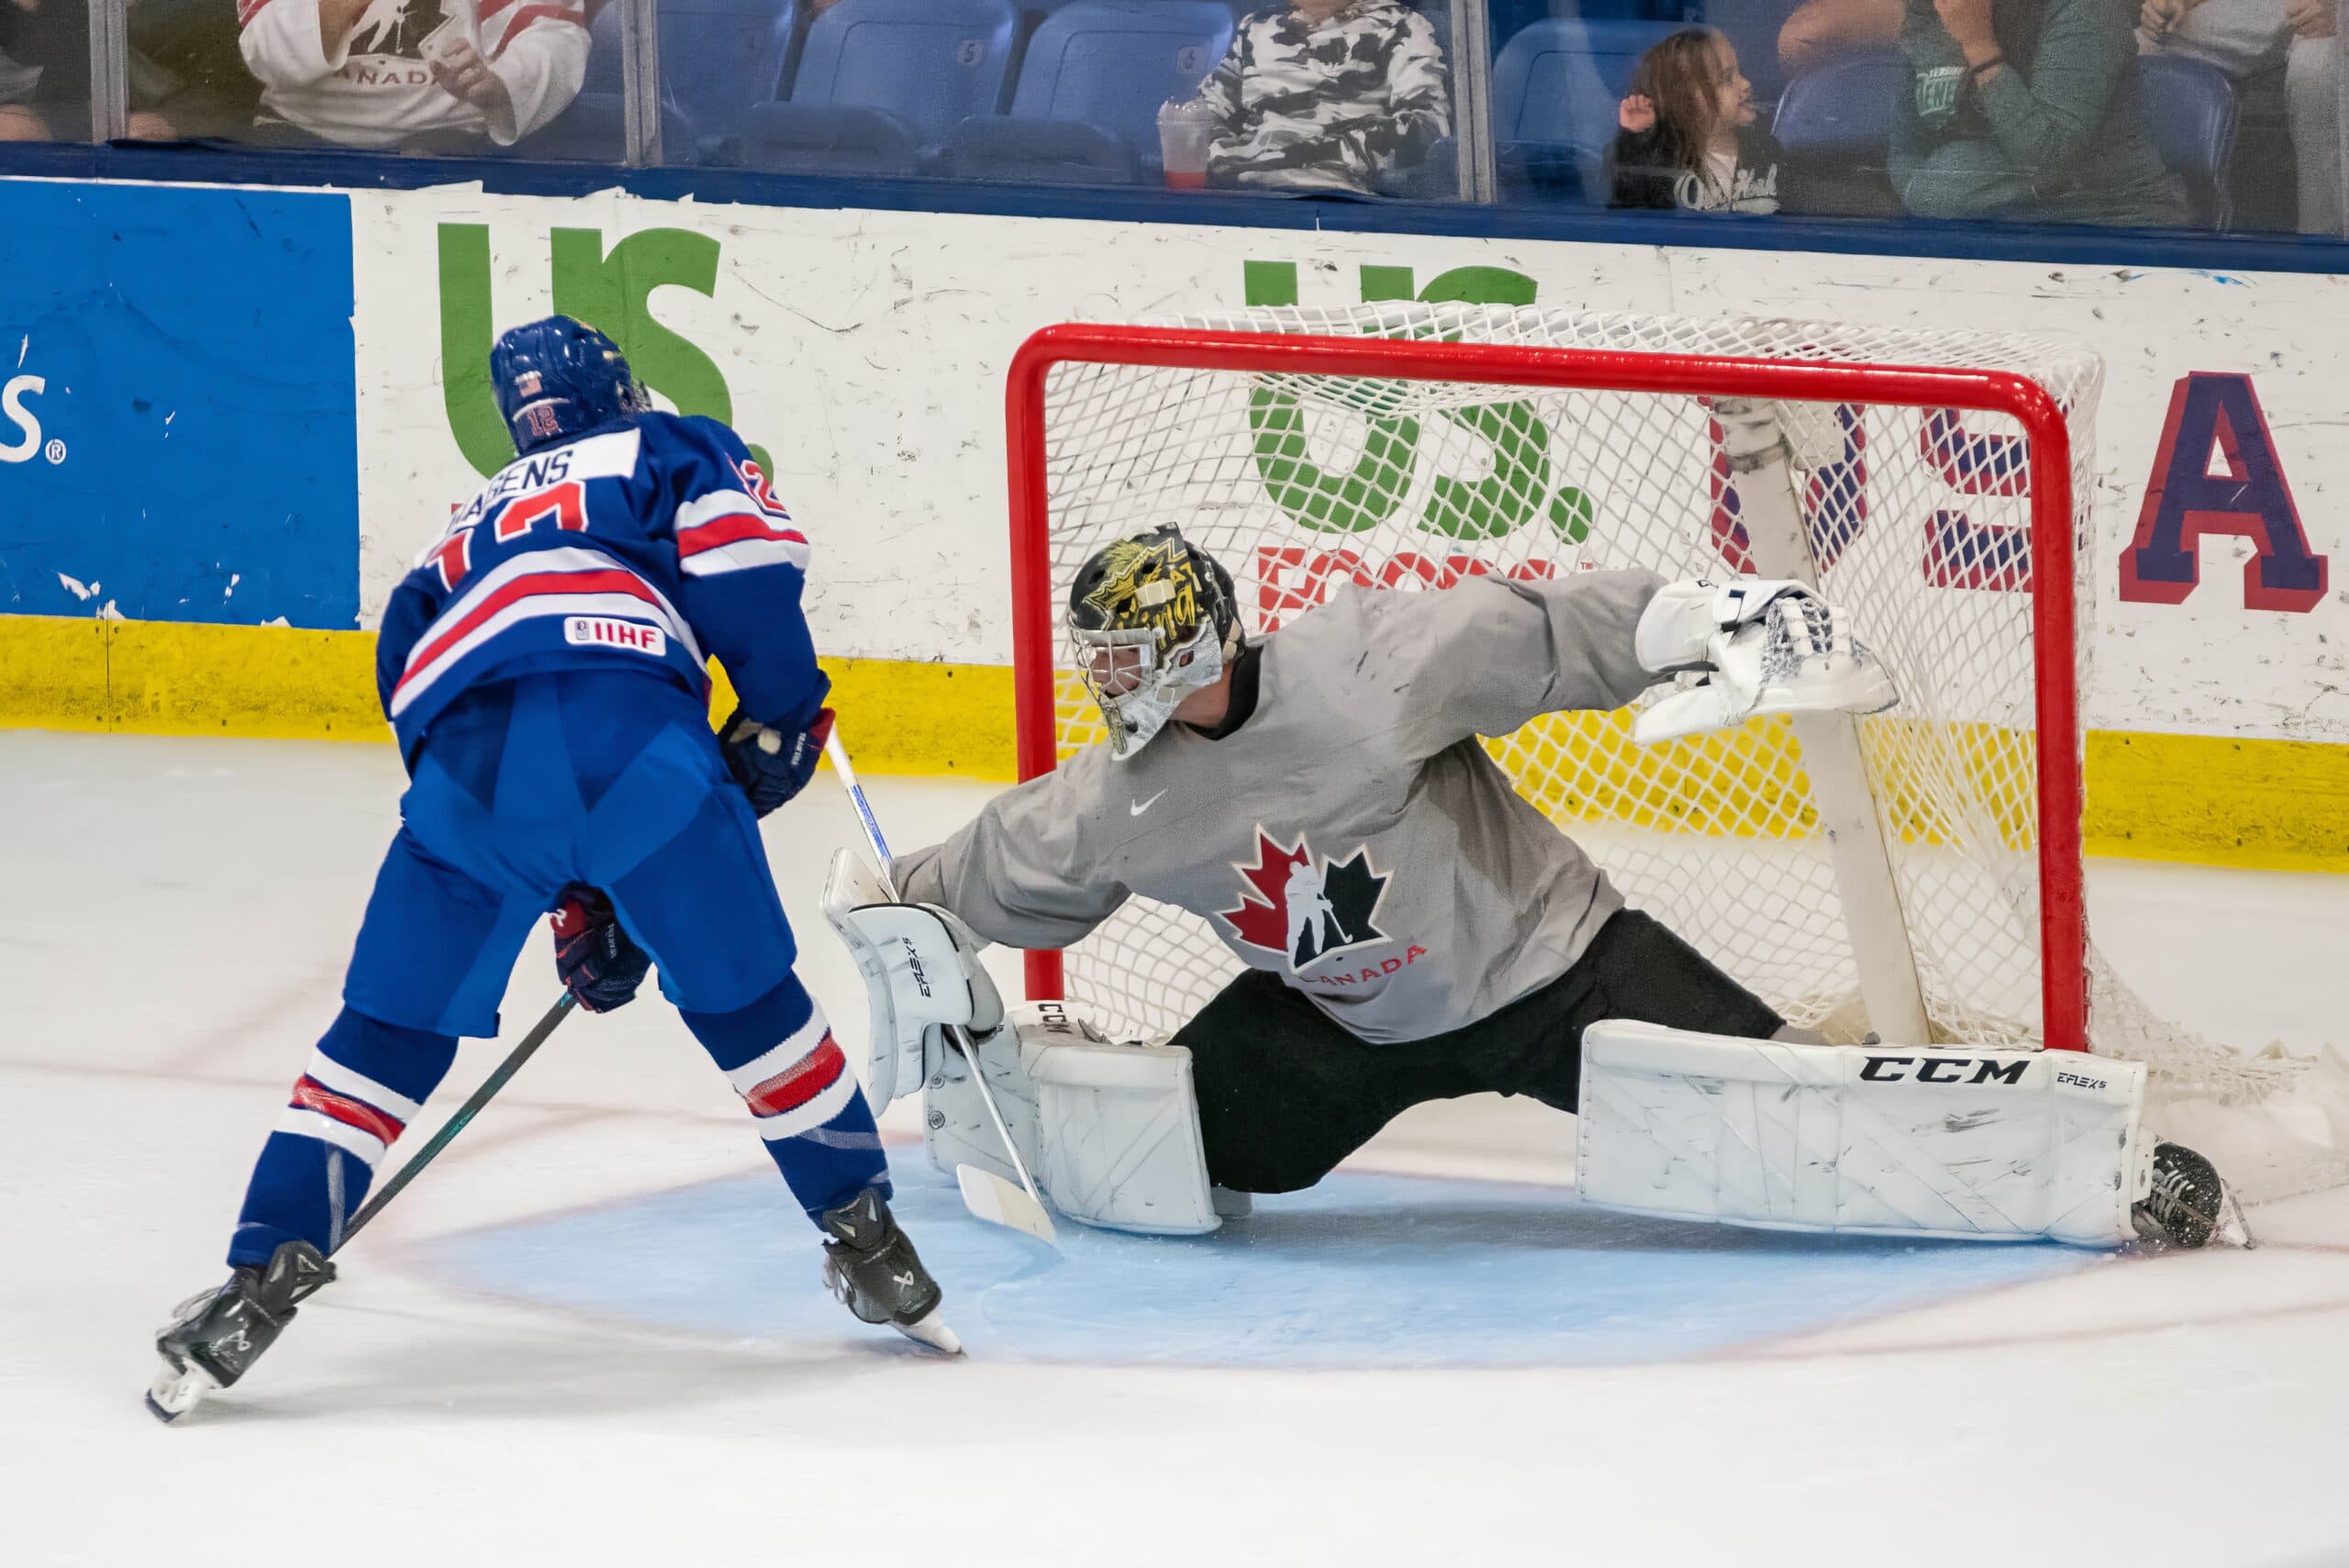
(539, 583)
(726, 530)
(348, 1109)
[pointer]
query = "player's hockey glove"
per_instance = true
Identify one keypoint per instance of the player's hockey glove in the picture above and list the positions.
(772, 764)
(598, 963)
(1751, 647)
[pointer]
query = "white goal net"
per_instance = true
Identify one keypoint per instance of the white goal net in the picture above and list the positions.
(1924, 521)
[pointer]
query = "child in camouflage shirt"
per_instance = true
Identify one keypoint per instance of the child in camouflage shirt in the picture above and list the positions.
(1326, 95)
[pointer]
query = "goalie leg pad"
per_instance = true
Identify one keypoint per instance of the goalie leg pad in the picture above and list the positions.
(1973, 1144)
(1111, 1132)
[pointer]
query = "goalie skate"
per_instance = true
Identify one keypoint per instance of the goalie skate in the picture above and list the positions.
(2190, 1206)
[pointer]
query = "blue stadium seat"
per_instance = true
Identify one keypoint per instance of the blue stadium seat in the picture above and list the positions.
(1845, 108)
(726, 55)
(2190, 111)
(718, 58)
(1555, 87)
(1835, 122)
(1085, 109)
(879, 84)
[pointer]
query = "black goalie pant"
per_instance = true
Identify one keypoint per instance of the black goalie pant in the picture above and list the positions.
(1285, 1093)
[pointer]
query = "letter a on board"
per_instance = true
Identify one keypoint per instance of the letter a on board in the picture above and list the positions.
(2185, 500)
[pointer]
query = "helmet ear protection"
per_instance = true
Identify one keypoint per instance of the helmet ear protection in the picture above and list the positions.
(1152, 618)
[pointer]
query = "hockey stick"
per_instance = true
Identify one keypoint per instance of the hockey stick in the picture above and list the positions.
(984, 1194)
(456, 1124)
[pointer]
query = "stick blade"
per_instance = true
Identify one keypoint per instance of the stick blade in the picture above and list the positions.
(997, 1201)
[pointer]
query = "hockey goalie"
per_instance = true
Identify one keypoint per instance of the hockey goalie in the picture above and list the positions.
(1415, 931)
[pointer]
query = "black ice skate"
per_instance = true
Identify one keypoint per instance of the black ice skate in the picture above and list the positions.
(218, 1335)
(872, 1269)
(2188, 1204)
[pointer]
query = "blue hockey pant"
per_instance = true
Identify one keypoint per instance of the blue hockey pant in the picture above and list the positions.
(521, 788)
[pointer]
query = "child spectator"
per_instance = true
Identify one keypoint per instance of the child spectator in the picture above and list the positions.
(1689, 138)
(2027, 109)
(1327, 94)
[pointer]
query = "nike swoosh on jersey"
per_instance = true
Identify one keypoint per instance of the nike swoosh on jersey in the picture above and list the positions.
(1139, 807)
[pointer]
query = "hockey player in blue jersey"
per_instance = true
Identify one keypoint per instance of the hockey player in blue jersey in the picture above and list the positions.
(543, 669)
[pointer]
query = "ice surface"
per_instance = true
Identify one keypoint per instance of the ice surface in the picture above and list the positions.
(594, 1335)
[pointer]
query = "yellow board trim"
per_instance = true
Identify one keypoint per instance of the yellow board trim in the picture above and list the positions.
(2206, 800)
(269, 681)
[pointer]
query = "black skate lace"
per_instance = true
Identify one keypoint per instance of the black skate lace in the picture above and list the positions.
(2167, 1198)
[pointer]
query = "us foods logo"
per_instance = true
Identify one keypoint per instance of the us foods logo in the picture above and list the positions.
(608, 289)
(17, 415)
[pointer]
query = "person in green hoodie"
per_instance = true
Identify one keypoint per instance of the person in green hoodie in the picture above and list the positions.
(2027, 109)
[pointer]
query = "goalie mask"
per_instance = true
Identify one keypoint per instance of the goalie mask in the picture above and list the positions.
(1152, 619)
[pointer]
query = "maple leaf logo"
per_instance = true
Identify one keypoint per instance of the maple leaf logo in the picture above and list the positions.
(1303, 910)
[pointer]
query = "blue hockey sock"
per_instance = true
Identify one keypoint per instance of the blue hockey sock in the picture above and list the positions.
(366, 1082)
(780, 1056)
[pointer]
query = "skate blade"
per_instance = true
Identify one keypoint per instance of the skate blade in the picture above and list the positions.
(176, 1391)
(997, 1201)
(932, 1332)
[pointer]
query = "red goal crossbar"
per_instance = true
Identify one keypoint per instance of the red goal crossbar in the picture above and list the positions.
(2063, 906)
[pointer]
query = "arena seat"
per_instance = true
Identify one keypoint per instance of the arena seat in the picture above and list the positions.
(1835, 122)
(2190, 112)
(1084, 107)
(1555, 87)
(879, 84)
(719, 58)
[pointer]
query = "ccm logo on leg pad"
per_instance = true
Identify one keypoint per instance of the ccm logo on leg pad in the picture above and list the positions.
(1942, 1070)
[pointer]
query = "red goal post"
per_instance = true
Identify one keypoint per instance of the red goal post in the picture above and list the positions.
(2063, 938)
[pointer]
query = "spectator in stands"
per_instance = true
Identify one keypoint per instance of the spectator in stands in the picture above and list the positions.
(2026, 110)
(1688, 137)
(1818, 30)
(2249, 37)
(384, 73)
(45, 78)
(1326, 95)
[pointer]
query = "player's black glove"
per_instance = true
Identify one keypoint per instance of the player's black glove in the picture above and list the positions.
(598, 963)
(771, 765)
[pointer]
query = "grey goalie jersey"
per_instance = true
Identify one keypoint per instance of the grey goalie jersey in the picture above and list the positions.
(1350, 835)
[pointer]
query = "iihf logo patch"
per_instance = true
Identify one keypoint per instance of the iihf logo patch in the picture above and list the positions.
(1304, 911)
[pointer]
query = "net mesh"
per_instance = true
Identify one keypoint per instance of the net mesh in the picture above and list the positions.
(1917, 521)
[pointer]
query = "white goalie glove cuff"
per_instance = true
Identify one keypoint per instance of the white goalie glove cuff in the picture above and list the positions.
(1760, 645)
(922, 972)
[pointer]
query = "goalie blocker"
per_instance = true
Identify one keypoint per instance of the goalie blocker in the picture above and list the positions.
(1966, 1143)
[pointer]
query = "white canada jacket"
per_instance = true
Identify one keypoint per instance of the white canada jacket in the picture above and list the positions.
(376, 90)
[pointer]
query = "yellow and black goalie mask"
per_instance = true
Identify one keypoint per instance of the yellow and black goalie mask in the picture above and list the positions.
(1151, 620)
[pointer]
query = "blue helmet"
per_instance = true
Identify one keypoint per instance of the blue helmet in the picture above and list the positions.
(558, 378)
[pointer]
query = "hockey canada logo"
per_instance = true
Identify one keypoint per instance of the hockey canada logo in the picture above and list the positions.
(1306, 909)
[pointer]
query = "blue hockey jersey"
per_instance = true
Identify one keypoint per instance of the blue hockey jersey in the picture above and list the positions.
(655, 541)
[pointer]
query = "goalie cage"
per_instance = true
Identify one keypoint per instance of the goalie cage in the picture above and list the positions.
(1935, 484)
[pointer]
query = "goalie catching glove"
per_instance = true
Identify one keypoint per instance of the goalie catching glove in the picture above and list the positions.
(922, 972)
(1758, 646)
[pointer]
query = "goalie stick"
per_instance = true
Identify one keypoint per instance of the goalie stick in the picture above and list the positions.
(984, 1194)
